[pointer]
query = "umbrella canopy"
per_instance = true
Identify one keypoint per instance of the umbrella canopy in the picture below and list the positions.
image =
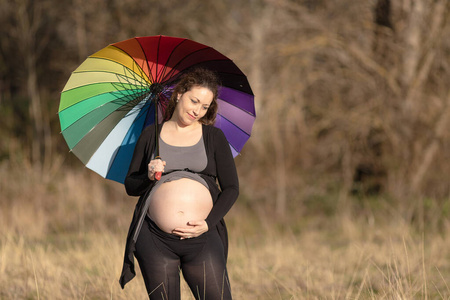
(110, 98)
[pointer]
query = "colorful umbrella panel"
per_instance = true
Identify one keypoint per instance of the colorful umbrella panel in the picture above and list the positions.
(109, 99)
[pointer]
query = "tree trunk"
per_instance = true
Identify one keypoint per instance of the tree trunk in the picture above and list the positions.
(29, 20)
(267, 104)
(431, 149)
(80, 29)
(405, 41)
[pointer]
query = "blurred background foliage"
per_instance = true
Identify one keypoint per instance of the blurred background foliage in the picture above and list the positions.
(344, 182)
(353, 97)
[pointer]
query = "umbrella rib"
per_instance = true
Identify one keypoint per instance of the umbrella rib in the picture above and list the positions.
(233, 147)
(233, 74)
(168, 59)
(165, 66)
(157, 58)
(228, 86)
(141, 114)
(126, 93)
(131, 71)
(123, 80)
(137, 100)
(234, 125)
(150, 76)
(127, 80)
(141, 71)
(169, 75)
(119, 76)
(118, 100)
(129, 93)
(239, 108)
(185, 57)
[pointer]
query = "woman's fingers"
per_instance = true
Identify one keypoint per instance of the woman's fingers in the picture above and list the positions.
(184, 235)
(193, 229)
(155, 166)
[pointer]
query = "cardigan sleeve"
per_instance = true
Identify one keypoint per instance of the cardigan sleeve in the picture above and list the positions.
(137, 181)
(227, 178)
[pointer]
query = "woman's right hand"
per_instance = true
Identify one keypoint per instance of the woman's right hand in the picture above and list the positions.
(155, 165)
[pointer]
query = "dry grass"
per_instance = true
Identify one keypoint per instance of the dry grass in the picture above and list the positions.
(62, 237)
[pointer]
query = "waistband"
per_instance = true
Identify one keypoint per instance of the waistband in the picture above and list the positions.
(189, 170)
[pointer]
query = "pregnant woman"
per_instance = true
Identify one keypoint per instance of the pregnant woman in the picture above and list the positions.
(178, 221)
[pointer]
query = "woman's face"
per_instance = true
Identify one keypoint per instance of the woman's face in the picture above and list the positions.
(192, 105)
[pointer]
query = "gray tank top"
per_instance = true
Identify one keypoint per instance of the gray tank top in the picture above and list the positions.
(183, 162)
(180, 158)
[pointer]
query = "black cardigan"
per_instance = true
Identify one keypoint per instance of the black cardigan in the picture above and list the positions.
(220, 165)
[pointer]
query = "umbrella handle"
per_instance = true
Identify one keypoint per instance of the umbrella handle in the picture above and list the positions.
(158, 174)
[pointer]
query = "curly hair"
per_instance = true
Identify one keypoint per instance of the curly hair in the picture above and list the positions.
(198, 77)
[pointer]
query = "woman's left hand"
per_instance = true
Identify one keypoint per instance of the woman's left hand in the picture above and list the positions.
(193, 229)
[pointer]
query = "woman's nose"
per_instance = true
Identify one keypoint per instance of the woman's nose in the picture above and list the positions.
(197, 111)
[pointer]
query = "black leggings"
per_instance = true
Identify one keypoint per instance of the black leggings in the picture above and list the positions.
(161, 256)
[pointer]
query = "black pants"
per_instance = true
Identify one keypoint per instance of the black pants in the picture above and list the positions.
(162, 256)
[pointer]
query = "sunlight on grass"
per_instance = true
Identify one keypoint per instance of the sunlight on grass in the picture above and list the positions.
(66, 241)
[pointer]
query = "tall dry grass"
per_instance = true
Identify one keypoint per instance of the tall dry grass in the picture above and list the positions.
(62, 237)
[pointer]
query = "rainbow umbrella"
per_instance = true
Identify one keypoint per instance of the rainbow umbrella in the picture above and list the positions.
(118, 91)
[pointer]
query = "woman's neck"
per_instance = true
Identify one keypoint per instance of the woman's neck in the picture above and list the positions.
(179, 127)
(176, 135)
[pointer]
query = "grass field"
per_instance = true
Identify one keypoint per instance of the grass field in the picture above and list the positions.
(62, 237)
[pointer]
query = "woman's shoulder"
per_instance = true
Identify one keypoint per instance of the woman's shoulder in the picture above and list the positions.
(211, 129)
(214, 135)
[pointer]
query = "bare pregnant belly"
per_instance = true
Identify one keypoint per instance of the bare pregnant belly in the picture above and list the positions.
(177, 202)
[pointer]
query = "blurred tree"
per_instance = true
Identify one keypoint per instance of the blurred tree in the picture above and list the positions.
(27, 32)
(416, 101)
